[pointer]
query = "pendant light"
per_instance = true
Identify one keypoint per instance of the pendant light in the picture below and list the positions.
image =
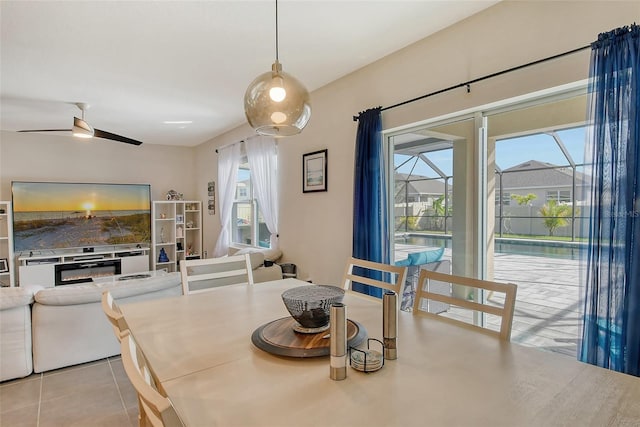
(276, 103)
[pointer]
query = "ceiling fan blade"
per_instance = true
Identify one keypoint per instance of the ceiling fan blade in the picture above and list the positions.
(108, 135)
(45, 130)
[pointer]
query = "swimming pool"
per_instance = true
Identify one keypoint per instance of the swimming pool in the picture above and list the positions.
(541, 248)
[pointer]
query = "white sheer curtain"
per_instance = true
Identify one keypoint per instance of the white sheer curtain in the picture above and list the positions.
(262, 154)
(228, 162)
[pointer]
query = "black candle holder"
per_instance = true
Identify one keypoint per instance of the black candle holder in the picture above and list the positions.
(367, 360)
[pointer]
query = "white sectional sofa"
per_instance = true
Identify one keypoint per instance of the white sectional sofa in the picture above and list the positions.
(69, 326)
(262, 262)
(42, 329)
(15, 333)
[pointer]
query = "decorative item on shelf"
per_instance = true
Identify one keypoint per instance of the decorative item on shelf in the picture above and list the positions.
(179, 218)
(366, 360)
(309, 305)
(211, 203)
(189, 224)
(179, 246)
(338, 341)
(179, 232)
(163, 216)
(276, 103)
(174, 195)
(390, 324)
(163, 256)
(4, 265)
(162, 235)
(2, 211)
(189, 249)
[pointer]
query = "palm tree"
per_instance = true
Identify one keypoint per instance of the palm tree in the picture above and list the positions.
(555, 215)
(440, 212)
(524, 200)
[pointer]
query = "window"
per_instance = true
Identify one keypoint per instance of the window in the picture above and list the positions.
(506, 198)
(560, 196)
(247, 225)
(242, 191)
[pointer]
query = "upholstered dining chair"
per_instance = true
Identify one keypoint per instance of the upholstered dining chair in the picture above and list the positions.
(458, 307)
(155, 409)
(200, 275)
(396, 274)
(113, 314)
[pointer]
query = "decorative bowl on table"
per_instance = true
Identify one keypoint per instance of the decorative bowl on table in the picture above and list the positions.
(309, 306)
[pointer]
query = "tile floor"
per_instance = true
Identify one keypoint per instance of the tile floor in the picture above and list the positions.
(548, 304)
(93, 394)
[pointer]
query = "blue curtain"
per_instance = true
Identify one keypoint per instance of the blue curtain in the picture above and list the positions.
(611, 330)
(370, 219)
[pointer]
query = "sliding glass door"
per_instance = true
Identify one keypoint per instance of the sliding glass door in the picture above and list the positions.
(537, 181)
(434, 203)
(498, 195)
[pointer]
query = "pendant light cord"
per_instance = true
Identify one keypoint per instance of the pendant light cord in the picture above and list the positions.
(276, 30)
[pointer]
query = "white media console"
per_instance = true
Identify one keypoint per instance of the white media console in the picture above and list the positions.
(53, 268)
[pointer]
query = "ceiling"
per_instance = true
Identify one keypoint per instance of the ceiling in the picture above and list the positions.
(139, 64)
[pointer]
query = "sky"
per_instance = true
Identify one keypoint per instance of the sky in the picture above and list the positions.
(51, 196)
(510, 152)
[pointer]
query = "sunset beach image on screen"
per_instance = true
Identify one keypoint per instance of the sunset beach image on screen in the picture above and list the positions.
(55, 215)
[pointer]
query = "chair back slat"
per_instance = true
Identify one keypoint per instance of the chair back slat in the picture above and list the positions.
(112, 311)
(504, 311)
(201, 275)
(155, 409)
(395, 273)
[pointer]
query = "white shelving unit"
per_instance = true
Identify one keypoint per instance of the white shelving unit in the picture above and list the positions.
(6, 244)
(176, 228)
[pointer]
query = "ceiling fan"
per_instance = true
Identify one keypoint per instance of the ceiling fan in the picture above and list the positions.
(82, 129)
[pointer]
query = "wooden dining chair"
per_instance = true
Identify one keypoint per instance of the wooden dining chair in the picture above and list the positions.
(458, 309)
(113, 314)
(395, 275)
(200, 275)
(155, 409)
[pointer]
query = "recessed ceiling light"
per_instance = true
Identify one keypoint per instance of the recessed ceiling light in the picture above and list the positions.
(178, 122)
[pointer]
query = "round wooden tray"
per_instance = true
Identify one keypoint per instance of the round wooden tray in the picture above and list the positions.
(278, 337)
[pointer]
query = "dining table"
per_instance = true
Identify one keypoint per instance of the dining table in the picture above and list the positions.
(200, 351)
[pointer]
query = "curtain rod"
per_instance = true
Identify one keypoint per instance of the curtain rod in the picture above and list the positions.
(468, 83)
(230, 144)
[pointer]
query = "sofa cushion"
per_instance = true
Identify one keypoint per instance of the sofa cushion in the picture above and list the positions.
(269, 254)
(92, 292)
(403, 262)
(15, 340)
(426, 257)
(15, 297)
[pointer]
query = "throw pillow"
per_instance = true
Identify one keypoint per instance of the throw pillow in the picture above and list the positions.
(426, 257)
(403, 262)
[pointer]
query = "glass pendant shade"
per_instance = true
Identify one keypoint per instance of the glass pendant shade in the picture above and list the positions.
(277, 104)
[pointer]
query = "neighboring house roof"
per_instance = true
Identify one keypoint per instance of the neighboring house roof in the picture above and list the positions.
(527, 175)
(534, 173)
(420, 184)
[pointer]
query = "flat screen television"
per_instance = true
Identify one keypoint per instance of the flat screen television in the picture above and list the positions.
(62, 215)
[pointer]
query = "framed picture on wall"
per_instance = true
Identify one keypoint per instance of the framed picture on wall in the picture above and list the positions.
(314, 171)
(4, 265)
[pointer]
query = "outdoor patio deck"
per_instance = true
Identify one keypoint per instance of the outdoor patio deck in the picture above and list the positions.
(547, 311)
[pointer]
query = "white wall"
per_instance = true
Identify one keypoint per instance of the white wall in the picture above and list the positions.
(315, 228)
(41, 157)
